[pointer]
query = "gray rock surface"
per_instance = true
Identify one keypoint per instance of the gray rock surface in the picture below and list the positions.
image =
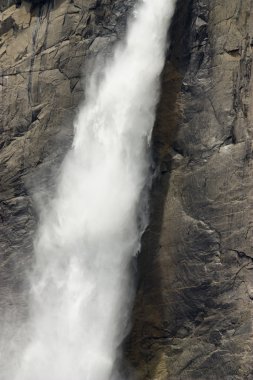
(192, 317)
(193, 311)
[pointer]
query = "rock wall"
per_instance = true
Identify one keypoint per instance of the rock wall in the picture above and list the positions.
(192, 317)
(193, 312)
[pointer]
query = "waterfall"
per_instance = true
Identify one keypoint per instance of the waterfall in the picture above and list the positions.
(87, 237)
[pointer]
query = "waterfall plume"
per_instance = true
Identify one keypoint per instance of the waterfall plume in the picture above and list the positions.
(89, 233)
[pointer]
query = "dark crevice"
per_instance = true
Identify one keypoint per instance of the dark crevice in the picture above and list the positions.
(138, 351)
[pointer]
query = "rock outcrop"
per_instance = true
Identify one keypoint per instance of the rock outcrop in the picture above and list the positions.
(192, 317)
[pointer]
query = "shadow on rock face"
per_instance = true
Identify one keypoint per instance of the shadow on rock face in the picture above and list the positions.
(192, 318)
(148, 334)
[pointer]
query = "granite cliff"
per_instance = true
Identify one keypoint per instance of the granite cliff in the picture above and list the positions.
(192, 317)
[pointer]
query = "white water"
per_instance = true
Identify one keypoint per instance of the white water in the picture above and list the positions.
(85, 242)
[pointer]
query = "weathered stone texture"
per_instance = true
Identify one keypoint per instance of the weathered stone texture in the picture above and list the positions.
(193, 312)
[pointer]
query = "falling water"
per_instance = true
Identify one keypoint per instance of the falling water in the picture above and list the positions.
(80, 287)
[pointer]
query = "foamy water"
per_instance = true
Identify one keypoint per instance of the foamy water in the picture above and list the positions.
(81, 286)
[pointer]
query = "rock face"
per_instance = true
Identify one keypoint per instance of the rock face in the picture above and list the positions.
(192, 317)
(193, 312)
